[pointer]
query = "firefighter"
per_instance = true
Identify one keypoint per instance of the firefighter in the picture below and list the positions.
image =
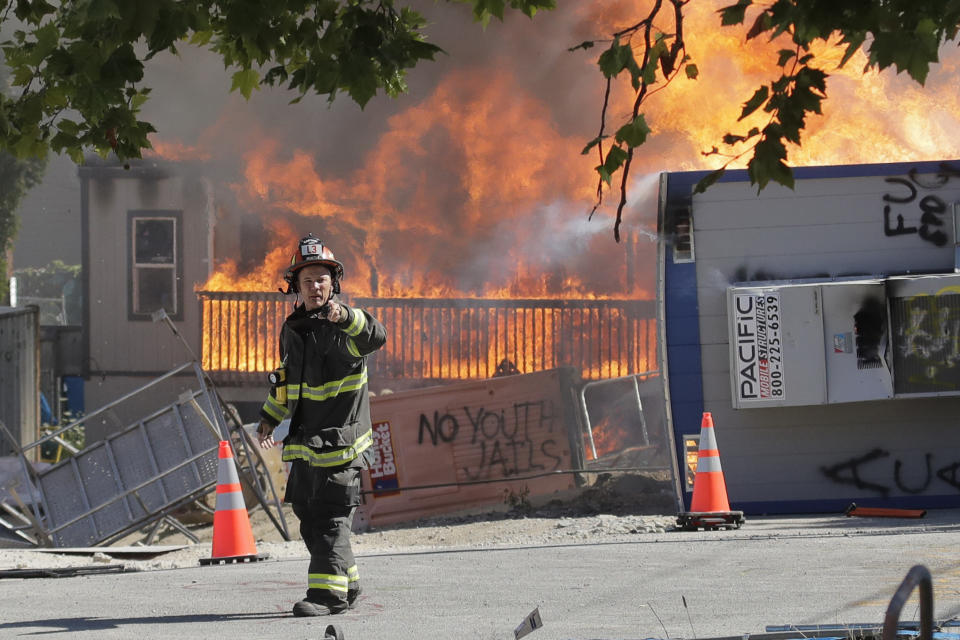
(321, 386)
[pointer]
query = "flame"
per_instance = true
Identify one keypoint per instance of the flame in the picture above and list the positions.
(229, 276)
(452, 202)
(609, 435)
(177, 151)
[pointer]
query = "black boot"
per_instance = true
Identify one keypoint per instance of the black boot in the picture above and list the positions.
(352, 596)
(306, 608)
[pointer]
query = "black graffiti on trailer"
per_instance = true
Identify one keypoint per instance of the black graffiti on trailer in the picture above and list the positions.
(932, 207)
(926, 484)
(853, 465)
(899, 230)
(506, 447)
(941, 177)
(949, 475)
(848, 472)
(913, 191)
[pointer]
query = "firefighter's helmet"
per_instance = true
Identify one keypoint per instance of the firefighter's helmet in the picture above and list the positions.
(311, 251)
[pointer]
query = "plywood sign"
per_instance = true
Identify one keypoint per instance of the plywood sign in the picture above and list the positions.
(469, 445)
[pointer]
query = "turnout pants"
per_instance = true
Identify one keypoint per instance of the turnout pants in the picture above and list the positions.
(324, 500)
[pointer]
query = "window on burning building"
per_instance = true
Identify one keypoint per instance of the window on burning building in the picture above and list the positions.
(681, 237)
(155, 264)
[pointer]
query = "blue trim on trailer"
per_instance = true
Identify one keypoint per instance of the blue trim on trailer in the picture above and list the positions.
(685, 180)
(682, 331)
(838, 506)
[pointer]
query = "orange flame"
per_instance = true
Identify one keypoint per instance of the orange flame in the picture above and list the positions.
(456, 200)
(177, 151)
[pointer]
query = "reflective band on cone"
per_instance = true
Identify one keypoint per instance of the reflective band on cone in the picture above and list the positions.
(232, 535)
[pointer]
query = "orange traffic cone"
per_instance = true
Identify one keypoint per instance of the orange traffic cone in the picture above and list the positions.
(232, 535)
(709, 488)
(709, 507)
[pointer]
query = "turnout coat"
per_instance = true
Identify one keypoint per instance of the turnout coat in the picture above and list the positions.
(326, 391)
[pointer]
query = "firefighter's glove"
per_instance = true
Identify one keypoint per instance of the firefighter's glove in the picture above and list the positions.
(265, 435)
(332, 311)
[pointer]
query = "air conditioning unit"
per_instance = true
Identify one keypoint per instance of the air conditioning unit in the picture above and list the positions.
(830, 341)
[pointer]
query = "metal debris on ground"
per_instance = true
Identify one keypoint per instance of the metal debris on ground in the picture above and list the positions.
(131, 552)
(62, 572)
(530, 624)
(883, 512)
(333, 632)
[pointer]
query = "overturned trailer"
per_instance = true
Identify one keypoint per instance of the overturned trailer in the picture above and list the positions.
(821, 328)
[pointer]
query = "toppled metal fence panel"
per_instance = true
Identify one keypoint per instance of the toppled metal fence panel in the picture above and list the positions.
(626, 430)
(136, 476)
(19, 374)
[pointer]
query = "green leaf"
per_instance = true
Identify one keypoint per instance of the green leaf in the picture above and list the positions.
(754, 103)
(609, 61)
(483, 10)
(768, 162)
(854, 42)
(47, 37)
(734, 14)
(138, 101)
(692, 71)
(762, 24)
(592, 144)
(201, 38)
(363, 83)
(55, 97)
(785, 56)
(649, 75)
(69, 127)
(604, 174)
(246, 80)
(616, 156)
(617, 58)
(708, 180)
(634, 133)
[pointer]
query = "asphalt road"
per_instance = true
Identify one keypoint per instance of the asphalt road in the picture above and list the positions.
(772, 571)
